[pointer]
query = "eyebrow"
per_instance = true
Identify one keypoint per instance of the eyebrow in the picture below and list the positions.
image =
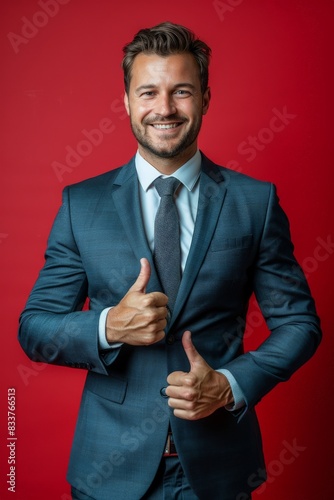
(151, 86)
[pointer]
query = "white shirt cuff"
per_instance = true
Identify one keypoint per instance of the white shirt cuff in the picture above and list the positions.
(103, 343)
(238, 396)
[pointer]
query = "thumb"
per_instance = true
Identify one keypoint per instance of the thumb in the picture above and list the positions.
(190, 350)
(143, 277)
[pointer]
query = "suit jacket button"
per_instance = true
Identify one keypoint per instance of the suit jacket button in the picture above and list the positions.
(170, 339)
(163, 392)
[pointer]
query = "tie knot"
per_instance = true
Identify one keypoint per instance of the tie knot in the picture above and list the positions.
(166, 187)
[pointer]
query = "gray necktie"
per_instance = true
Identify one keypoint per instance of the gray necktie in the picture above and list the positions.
(167, 253)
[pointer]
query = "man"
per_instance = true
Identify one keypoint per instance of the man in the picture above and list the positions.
(168, 405)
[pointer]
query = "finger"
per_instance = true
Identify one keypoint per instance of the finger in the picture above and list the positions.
(159, 325)
(162, 312)
(183, 408)
(158, 299)
(190, 349)
(185, 414)
(143, 277)
(176, 378)
(180, 404)
(159, 336)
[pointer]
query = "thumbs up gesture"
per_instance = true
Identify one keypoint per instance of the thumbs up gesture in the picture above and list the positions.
(140, 317)
(201, 391)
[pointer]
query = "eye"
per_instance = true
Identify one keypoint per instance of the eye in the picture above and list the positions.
(148, 93)
(182, 93)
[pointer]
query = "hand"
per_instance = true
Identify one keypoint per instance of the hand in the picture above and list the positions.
(140, 317)
(200, 392)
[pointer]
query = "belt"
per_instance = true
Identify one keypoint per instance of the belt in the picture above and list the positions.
(170, 450)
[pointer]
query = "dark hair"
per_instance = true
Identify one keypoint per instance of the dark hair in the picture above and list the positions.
(166, 39)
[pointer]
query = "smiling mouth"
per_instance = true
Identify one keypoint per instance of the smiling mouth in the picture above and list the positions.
(165, 126)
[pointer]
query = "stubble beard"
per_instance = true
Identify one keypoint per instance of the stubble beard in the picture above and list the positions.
(168, 151)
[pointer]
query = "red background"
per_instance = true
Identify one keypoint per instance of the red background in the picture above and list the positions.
(63, 77)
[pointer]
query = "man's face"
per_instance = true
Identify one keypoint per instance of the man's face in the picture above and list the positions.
(165, 104)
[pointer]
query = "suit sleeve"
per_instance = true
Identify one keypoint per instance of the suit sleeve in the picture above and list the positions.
(53, 328)
(286, 303)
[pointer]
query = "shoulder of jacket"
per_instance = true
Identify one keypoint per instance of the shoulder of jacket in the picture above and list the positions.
(231, 177)
(100, 181)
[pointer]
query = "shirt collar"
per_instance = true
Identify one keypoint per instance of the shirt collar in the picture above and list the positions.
(187, 173)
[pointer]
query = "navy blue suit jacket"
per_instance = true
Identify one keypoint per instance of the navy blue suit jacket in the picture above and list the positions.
(241, 244)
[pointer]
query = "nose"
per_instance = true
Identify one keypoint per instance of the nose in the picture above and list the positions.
(165, 105)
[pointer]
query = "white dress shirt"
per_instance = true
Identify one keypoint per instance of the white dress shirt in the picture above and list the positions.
(186, 202)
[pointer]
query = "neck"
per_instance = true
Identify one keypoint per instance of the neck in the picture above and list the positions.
(167, 166)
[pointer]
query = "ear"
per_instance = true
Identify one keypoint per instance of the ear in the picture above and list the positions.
(206, 101)
(126, 103)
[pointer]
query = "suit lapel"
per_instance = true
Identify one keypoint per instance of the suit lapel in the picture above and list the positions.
(211, 196)
(126, 199)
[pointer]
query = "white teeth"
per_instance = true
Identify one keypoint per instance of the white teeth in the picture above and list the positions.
(169, 125)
